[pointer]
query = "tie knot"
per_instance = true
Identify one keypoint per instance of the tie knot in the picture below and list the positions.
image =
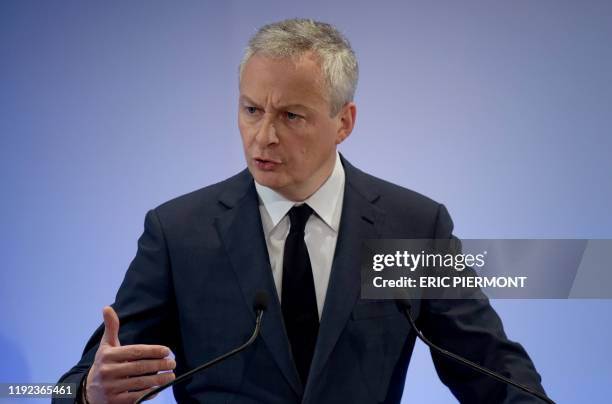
(298, 215)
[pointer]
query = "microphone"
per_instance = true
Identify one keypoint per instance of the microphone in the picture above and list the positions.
(406, 306)
(260, 304)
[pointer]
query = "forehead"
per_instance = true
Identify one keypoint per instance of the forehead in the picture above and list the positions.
(284, 80)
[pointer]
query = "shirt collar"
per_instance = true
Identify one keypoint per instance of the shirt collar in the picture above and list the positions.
(324, 202)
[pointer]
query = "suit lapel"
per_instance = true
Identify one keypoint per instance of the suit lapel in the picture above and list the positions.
(360, 220)
(242, 234)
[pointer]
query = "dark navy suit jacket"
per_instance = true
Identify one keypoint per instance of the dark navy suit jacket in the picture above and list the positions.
(202, 257)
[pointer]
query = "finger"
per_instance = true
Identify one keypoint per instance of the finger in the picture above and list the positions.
(140, 382)
(141, 367)
(130, 353)
(111, 327)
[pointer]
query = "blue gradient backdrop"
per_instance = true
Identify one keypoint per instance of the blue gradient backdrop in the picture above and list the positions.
(500, 110)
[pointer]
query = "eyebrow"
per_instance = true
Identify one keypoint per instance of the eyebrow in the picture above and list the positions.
(288, 106)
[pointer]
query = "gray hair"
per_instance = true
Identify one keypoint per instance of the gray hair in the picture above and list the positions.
(294, 37)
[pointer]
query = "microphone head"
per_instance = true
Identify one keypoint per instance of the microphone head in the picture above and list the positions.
(261, 300)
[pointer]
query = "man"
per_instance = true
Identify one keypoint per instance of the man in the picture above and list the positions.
(290, 225)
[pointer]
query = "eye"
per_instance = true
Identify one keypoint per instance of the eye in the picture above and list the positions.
(291, 116)
(250, 110)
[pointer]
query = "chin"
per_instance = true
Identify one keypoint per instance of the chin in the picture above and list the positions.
(267, 179)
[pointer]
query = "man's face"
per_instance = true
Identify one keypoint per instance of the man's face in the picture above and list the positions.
(288, 136)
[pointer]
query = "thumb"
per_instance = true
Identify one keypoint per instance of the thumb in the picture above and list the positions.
(111, 327)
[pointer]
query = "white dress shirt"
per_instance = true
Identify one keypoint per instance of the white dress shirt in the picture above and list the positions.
(320, 234)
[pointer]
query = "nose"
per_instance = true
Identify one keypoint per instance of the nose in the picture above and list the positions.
(266, 135)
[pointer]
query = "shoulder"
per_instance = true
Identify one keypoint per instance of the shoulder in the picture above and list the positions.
(403, 207)
(205, 203)
(387, 193)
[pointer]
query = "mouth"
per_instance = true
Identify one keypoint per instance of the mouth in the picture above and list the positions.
(266, 164)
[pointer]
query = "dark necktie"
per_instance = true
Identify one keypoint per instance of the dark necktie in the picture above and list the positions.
(298, 298)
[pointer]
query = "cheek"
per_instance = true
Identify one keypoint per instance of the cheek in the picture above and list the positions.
(305, 159)
(299, 151)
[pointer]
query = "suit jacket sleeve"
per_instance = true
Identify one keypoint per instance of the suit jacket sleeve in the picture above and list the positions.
(145, 301)
(470, 327)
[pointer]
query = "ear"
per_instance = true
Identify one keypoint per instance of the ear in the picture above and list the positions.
(346, 119)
